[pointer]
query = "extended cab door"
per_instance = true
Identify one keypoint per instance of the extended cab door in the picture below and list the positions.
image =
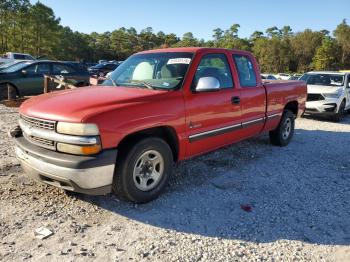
(252, 94)
(213, 117)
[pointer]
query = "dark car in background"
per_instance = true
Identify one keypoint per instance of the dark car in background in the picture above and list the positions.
(27, 78)
(103, 69)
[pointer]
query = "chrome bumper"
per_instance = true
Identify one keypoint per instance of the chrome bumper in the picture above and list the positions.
(85, 174)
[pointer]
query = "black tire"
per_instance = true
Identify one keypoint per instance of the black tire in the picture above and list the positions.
(338, 117)
(280, 136)
(4, 95)
(126, 185)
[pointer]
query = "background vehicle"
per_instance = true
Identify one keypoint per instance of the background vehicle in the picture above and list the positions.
(12, 57)
(27, 78)
(102, 69)
(328, 93)
(6, 65)
(268, 77)
(158, 107)
(90, 64)
(283, 76)
(295, 77)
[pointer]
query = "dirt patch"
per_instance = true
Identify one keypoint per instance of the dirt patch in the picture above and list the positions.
(14, 103)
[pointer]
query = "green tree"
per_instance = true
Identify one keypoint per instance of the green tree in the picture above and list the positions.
(304, 45)
(273, 32)
(187, 40)
(44, 28)
(273, 54)
(256, 35)
(342, 35)
(327, 55)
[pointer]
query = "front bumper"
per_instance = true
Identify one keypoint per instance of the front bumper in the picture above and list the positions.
(328, 106)
(91, 175)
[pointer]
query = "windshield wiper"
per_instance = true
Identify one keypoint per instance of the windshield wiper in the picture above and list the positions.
(147, 85)
(111, 79)
(144, 83)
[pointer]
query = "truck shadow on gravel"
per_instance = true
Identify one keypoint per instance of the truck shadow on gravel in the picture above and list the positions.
(256, 192)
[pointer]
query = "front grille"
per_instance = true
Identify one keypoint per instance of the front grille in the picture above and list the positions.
(48, 125)
(40, 141)
(39, 123)
(314, 97)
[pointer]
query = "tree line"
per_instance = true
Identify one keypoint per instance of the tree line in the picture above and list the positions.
(34, 29)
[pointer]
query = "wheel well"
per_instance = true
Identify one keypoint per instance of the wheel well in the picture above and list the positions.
(165, 132)
(292, 106)
(14, 86)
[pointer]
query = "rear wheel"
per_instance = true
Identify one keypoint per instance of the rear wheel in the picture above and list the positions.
(338, 117)
(7, 91)
(282, 135)
(142, 171)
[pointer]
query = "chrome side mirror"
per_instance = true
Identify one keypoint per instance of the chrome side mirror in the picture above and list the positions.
(208, 83)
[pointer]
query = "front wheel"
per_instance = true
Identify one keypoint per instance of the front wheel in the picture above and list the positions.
(338, 117)
(282, 135)
(142, 171)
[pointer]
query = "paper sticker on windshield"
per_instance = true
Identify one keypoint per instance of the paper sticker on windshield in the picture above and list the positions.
(179, 61)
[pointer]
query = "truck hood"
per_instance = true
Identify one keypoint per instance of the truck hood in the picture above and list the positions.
(317, 89)
(75, 105)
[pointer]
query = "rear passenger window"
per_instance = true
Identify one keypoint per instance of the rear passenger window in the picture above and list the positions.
(246, 73)
(215, 65)
(59, 69)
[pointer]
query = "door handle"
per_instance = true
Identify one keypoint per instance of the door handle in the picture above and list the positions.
(235, 100)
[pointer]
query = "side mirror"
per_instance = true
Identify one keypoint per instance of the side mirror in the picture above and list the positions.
(24, 72)
(349, 85)
(206, 84)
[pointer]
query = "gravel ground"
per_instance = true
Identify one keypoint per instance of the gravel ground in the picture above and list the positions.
(248, 202)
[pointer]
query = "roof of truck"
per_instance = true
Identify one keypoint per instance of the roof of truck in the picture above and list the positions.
(186, 49)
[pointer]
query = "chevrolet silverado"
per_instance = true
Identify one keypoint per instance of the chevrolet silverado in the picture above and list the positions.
(157, 108)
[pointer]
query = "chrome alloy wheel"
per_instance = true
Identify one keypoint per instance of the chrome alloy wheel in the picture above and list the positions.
(148, 170)
(287, 128)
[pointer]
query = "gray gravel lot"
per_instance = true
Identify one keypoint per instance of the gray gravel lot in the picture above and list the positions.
(249, 202)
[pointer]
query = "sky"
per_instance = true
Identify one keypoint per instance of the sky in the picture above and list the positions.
(199, 17)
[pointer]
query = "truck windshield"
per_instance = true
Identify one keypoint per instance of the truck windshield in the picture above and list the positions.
(152, 70)
(323, 79)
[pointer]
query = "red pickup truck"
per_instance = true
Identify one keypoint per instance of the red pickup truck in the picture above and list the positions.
(156, 108)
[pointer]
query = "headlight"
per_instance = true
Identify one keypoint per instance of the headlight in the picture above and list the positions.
(333, 95)
(78, 129)
(79, 150)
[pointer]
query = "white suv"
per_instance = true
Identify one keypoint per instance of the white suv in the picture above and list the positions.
(327, 93)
